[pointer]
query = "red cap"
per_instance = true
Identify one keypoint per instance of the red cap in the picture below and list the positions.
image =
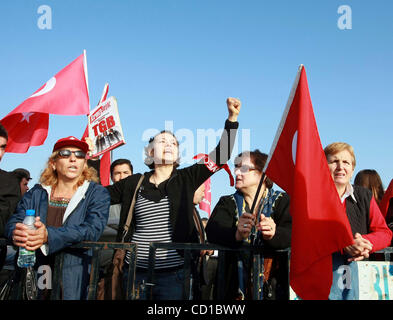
(71, 142)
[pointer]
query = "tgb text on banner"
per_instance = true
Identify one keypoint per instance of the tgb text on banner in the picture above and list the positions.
(104, 127)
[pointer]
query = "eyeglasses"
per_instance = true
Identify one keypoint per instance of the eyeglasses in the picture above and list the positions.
(65, 153)
(244, 169)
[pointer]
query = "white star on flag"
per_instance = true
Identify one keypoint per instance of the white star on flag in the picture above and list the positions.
(26, 116)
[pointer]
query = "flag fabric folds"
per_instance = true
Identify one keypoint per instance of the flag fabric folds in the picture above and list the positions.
(298, 165)
(105, 165)
(64, 94)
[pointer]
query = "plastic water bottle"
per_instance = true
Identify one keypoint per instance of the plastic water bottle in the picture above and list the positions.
(26, 258)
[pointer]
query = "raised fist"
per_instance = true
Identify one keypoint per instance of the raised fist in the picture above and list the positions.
(234, 106)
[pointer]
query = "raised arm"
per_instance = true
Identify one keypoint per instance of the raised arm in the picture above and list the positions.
(209, 164)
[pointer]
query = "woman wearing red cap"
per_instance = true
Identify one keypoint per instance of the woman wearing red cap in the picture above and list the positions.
(70, 207)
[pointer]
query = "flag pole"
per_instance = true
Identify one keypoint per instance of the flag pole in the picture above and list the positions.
(86, 75)
(254, 203)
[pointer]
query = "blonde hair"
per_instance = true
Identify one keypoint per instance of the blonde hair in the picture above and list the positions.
(336, 147)
(49, 175)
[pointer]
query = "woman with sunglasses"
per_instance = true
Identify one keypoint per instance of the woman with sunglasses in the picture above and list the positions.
(233, 224)
(164, 205)
(70, 207)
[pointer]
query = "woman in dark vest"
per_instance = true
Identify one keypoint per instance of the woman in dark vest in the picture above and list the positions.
(369, 229)
(233, 224)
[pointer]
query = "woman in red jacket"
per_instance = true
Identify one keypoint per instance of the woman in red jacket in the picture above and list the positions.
(369, 229)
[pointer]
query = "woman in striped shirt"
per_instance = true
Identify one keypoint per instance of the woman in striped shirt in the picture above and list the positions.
(164, 205)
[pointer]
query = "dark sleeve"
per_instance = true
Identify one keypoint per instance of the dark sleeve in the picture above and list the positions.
(26, 202)
(9, 198)
(283, 220)
(200, 172)
(116, 190)
(222, 153)
(222, 224)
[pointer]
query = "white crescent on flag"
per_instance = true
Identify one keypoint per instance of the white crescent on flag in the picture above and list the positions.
(294, 147)
(49, 85)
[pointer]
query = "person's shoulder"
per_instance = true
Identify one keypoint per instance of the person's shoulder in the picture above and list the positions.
(96, 185)
(361, 192)
(35, 191)
(132, 180)
(282, 195)
(7, 177)
(228, 197)
(37, 187)
(226, 200)
(97, 190)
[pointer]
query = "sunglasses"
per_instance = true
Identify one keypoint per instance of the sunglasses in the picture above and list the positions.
(65, 153)
(244, 169)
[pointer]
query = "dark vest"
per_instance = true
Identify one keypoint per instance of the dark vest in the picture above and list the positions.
(359, 212)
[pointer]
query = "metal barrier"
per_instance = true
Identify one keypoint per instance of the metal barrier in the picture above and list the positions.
(97, 248)
(187, 249)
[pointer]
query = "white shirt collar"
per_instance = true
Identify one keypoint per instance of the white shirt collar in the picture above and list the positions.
(348, 193)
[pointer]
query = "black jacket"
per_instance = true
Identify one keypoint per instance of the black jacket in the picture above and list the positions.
(9, 197)
(221, 229)
(180, 188)
(222, 225)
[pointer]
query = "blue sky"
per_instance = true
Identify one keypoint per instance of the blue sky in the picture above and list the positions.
(178, 60)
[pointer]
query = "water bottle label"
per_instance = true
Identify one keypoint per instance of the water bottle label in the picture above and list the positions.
(25, 252)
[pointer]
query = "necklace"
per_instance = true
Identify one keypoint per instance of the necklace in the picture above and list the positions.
(58, 201)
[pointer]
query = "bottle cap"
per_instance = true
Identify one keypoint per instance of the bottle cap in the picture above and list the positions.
(30, 212)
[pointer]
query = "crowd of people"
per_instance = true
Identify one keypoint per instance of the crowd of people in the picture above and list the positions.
(160, 205)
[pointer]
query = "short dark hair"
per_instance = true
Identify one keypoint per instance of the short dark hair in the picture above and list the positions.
(119, 162)
(22, 173)
(259, 159)
(3, 132)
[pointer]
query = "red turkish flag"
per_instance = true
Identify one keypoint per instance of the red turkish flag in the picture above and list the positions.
(385, 201)
(205, 204)
(298, 165)
(65, 94)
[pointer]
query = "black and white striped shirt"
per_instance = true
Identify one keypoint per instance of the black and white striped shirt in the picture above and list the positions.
(153, 225)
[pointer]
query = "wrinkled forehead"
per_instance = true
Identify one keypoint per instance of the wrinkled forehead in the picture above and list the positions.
(244, 160)
(341, 155)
